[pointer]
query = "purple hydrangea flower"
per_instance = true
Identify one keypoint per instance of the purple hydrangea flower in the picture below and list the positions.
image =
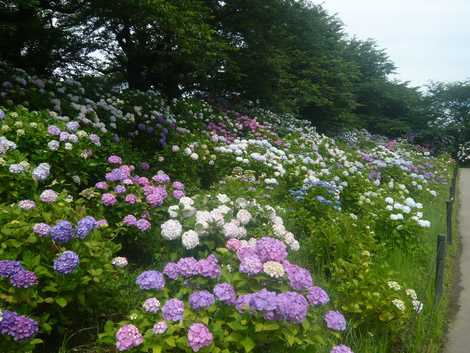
(41, 172)
(317, 296)
(299, 278)
(160, 327)
(113, 159)
(341, 349)
(144, 166)
(201, 299)
(143, 225)
(23, 279)
(177, 194)
(72, 126)
(131, 199)
(19, 327)
(335, 320)
(42, 229)
(129, 220)
(85, 226)
(292, 306)
(225, 293)
(263, 300)
(101, 185)
(199, 337)
(209, 267)
(161, 178)
(178, 185)
(156, 198)
(242, 303)
(150, 280)
(120, 189)
(108, 199)
(9, 267)
(53, 130)
(173, 310)
(67, 262)
(187, 266)
(62, 232)
(245, 251)
(171, 270)
(251, 265)
(270, 249)
(128, 337)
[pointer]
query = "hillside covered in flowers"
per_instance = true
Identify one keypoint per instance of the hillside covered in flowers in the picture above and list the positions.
(131, 224)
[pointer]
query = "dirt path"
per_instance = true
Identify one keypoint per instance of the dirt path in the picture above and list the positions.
(458, 338)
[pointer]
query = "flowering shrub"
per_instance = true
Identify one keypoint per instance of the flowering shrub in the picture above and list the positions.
(189, 227)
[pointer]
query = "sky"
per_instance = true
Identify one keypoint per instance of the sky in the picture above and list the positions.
(428, 40)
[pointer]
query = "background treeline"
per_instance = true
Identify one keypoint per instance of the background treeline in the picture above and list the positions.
(286, 55)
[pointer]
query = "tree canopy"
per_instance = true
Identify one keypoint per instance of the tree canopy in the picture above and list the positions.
(287, 55)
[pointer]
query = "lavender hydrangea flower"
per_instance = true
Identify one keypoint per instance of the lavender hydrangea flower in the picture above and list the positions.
(101, 185)
(161, 178)
(199, 337)
(171, 270)
(225, 293)
(242, 303)
(292, 306)
(9, 267)
(251, 265)
(341, 349)
(85, 226)
(143, 225)
(16, 168)
(317, 296)
(41, 172)
(150, 280)
(129, 220)
(201, 299)
(270, 249)
(42, 229)
(178, 194)
(19, 327)
(299, 278)
(128, 337)
(113, 159)
(108, 199)
(187, 267)
(131, 199)
(23, 279)
(26, 205)
(173, 310)
(264, 300)
(120, 189)
(177, 185)
(160, 327)
(53, 130)
(209, 267)
(62, 232)
(48, 196)
(335, 320)
(67, 262)
(151, 305)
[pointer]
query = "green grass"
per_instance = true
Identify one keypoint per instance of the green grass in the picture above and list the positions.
(426, 334)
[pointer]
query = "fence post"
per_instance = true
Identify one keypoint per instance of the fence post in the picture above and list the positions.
(453, 183)
(440, 261)
(449, 220)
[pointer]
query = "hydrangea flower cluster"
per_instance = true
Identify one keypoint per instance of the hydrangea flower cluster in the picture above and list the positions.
(19, 327)
(19, 277)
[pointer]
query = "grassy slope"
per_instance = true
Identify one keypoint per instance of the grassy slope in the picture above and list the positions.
(426, 333)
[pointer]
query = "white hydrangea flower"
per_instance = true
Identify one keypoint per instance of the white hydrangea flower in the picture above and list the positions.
(393, 285)
(273, 269)
(411, 293)
(173, 211)
(399, 304)
(223, 198)
(190, 239)
(244, 216)
(119, 262)
(171, 229)
(417, 305)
